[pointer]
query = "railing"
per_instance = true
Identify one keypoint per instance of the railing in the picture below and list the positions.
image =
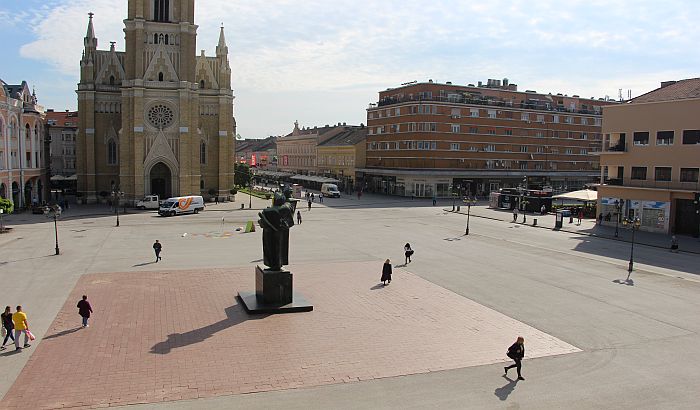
(645, 183)
(477, 101)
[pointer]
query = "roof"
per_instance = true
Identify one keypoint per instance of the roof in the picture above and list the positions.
(62, 118)
(252, 144)
(679, 90)
(349, 136)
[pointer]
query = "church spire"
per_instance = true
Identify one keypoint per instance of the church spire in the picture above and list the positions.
(222, 48)
(90, 39)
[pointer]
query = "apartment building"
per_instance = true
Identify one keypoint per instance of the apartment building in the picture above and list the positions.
(651, 159)
(340, 156)
(62, 131)
(260, 153)
(297, 151)
(424, 139)
(22, 152)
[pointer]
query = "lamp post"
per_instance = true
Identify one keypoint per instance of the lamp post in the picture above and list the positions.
(250, 190)
(634, 224)
(117, 196)
(54, 212)
(469, 202)
(618, 210)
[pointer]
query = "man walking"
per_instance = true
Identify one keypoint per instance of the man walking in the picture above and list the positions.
(516, 352)
(309, 204)
(84, 310)
(515, 214)
(19, 319)
(298, 217)
(157, 247)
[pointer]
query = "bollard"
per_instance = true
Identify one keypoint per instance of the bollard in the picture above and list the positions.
(571, 219)
(534, 221)
(457, 208)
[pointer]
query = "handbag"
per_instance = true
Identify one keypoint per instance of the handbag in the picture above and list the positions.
(30, 335)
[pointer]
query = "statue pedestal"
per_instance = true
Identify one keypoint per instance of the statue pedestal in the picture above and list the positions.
(273, 294)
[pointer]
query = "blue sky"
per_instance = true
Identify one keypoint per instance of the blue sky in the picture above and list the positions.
(322, 62)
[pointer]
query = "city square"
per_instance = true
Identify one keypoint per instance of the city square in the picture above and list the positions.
(173, 334)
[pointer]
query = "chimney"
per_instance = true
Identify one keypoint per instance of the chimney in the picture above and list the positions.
(667, 83)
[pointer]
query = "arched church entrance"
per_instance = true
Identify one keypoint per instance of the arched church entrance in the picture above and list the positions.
(161, 181)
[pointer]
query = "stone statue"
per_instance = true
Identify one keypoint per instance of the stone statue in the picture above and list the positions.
(275, 222)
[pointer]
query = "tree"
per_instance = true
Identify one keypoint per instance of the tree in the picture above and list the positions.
(241, 175)
(7, 206)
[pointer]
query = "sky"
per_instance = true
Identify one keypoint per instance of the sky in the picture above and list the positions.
(323, 62)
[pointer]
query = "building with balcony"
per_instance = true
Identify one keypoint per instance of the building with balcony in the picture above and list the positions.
(651, 159)
(296, 151)
(23, 175)
(62, 132)
(426, 139)
(340, 156)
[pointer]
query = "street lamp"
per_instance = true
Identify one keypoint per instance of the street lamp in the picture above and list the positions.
(469, 202)
(117, 196)
(618, 211)
(54, 211)
(634, 224)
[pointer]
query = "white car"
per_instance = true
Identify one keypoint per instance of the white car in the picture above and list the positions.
(148, 202)
(181, 205)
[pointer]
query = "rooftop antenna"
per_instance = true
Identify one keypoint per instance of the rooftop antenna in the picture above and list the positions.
(619, 94)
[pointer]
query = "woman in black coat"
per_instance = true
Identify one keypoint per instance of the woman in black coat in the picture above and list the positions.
(516, 352)
(386, 272)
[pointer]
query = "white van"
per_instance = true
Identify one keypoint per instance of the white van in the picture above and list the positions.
(148, 202)
(181, 205)
(330, 190)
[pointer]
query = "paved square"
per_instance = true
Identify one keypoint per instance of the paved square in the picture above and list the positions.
(161, 336)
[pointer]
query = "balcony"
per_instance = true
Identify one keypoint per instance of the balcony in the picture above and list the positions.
(489, 102)
(651, 184)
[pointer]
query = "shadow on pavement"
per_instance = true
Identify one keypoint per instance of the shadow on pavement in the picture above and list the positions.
(25, 259)
(144, 264)
(377, 286)
(628, 282)
(505, 391)
(234, 315)
(63, 333)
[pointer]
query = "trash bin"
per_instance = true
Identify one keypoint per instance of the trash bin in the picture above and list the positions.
(457, 208)
(558, 220)
(534, 221)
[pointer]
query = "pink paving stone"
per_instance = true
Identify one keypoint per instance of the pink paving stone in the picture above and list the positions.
(162, 336)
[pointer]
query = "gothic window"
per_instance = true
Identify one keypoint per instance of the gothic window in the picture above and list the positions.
(202, 153)
(201, 184)
(160, 76)
(111, 152)
(155, 38)
(160, 116)
(166, 39)
(111, 80)
(201, 84)
(161, 10)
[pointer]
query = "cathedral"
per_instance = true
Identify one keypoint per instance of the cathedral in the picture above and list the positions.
(156, 118)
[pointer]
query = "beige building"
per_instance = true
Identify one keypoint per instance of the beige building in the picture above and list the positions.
(297, 151)
(651, 159)
(340, 156)
(156, 118)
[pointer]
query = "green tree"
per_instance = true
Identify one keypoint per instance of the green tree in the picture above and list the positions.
(241, 176)
(7, 206)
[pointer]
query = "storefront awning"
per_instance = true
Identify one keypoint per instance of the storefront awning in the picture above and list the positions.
(585, 195)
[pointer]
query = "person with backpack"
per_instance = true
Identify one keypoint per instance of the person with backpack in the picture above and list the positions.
(8, 326)
(516, 352)
(407, 253)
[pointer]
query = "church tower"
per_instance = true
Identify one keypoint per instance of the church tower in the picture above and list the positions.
(171, 130)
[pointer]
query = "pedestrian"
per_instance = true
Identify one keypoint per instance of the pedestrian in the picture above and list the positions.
(386, 272)
(407, 251)
(580, 216)
(543, 210)
(216, 200)
(19, 319)
(359, 195)
(600, 219)
(84, 310)
(674, 244)
(320, 198)
(515, 214)
(8, 326)
(309, 203)
(434, 200)
(157, 247)
(516, 352)
(298, 217)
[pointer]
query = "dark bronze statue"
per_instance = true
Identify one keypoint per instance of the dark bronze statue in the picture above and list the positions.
(275, 222)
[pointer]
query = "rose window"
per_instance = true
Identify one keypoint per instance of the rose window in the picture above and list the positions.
(160, 116)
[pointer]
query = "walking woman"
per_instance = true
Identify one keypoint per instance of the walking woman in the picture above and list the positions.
(516, 352)
(386, 272)
(408, 252)
(8, 326)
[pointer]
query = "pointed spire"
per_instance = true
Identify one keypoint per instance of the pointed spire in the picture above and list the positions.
(90, 39)
(221, 48)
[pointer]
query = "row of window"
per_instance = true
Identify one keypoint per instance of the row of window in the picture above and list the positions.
(663, 174)
(455, 112)
(461, 128)
(296, 149)
(454, 146)
(641, 138)
(511, 164)
(345, 160)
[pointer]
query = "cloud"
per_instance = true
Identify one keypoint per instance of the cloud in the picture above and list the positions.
(315, 48)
